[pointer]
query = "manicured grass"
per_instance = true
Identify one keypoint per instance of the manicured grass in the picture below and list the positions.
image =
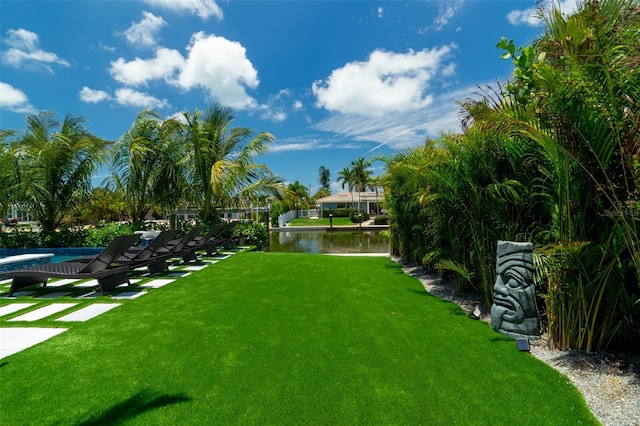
(283, 338)
(337, 221)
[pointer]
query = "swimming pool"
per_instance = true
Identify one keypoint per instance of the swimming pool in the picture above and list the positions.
(45, 255)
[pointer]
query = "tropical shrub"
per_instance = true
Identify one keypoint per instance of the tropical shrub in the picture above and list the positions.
(381, 220)
(358, 217)
(103, 234)
(20, 238)
(341, 212)
(550, 158)
(254, 233)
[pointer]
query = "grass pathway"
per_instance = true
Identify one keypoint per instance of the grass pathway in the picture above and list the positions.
(278, 338)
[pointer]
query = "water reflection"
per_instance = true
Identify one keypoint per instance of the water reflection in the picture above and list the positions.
(328, 242)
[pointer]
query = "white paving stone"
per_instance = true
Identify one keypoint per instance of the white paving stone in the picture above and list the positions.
(129, 295)
(14, 307)
(90, 295)
(195, 267)
(157, 283)
(60, 283)
(89, 312)
(54, 295)
(43, 312)
(16, 339)
(87, 284)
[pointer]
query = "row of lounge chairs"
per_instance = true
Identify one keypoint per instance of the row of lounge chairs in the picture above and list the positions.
(111, 267)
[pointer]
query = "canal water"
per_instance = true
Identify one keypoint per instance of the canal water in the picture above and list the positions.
(335, 242)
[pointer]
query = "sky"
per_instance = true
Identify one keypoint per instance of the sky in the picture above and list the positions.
(332, 81)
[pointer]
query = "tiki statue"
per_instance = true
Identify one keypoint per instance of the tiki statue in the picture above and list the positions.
(514, 311)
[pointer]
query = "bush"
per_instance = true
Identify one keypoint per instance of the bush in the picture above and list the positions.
(337, 212)
(358, 217)
(381, 220)
(104, 233)
(254, 233)
(19, 238)
(65, 237)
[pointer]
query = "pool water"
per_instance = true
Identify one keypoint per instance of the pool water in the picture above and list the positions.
(59, 255)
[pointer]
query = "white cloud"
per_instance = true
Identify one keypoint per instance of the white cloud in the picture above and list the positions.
(138, 72)
(130, 97)
(103, 46)
(400, 129)
(202, 8)
(274, 108)
(220, 67)
(297, 105)
(531, 16)
(145, 32)
(448, 70)
(527, 17)
(311, 143)
(92, 96)
(380, 12)
(446, 12)
(214, 64)
(15, 100)
(25, 52)
(386, 82)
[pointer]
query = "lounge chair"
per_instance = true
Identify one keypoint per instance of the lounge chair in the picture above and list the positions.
(210, 240)
(138, 257)
(178, 248)
(226, 236)
(101, 267)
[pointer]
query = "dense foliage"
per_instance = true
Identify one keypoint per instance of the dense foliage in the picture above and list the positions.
(253, 233)
(198, 161)
(552, 157)
(78, 236)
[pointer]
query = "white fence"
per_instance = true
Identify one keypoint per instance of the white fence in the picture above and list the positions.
(283, 219)
(286, 217)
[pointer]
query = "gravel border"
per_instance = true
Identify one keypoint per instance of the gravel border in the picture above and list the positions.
(609, 381)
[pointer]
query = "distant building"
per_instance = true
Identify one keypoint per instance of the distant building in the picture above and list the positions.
(369, 202)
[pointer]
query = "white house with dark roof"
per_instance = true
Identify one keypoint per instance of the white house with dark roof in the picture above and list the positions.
(369, 202)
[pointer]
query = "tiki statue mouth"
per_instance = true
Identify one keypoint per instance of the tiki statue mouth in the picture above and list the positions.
(508, 306)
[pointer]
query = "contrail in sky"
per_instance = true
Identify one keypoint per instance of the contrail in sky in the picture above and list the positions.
(393, 137)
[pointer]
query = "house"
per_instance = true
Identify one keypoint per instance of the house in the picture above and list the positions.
(369, 202)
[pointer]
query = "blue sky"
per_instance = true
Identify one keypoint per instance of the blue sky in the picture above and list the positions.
(331, 80)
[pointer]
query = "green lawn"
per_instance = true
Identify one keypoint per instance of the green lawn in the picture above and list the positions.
(285, 339)
(337, 221)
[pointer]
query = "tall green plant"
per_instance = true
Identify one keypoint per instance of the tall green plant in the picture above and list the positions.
(55, 163)
(146, 166)
(576, 93)
(220, 161)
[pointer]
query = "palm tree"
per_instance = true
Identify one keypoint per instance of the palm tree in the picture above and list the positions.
(56, 161)
(298, 192)
(346, 176)
(375, 183)
(324, 178)
(145, 166)
(102, 205)
(361, 176)
(220, 161)
(8, 170)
